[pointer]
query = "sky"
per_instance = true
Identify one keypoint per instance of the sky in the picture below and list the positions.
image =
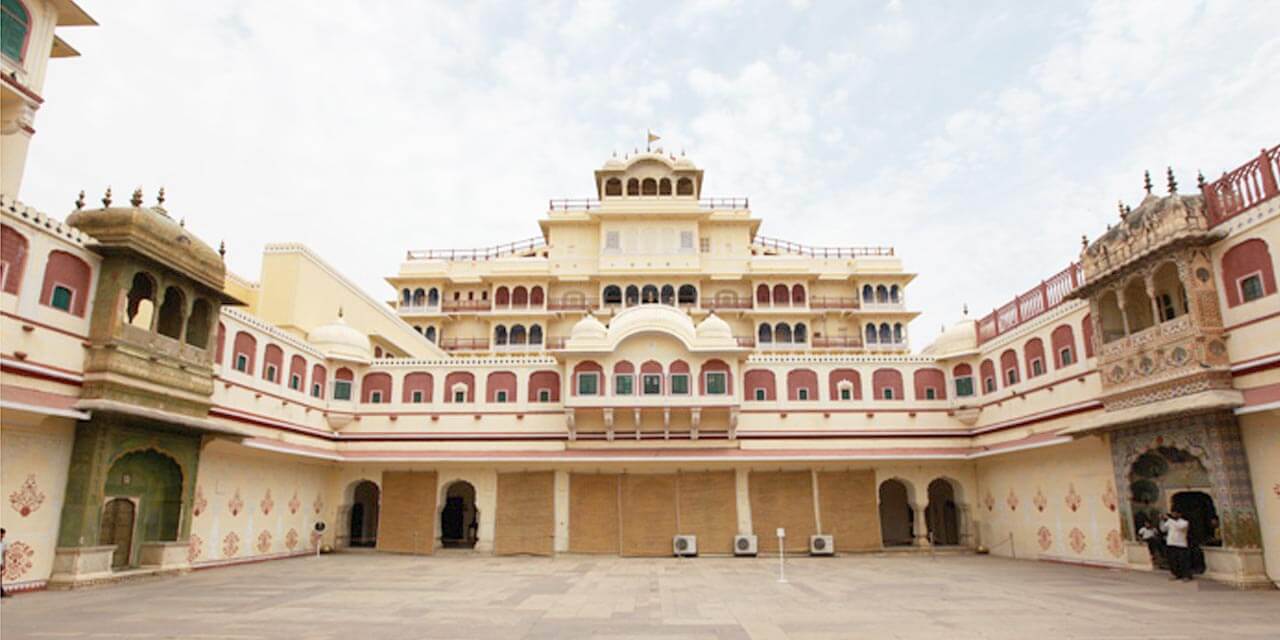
(981, 140)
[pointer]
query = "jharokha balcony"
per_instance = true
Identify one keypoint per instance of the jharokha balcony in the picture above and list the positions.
(466, 306)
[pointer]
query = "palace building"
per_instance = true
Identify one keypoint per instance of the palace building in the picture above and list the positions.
(648, 376)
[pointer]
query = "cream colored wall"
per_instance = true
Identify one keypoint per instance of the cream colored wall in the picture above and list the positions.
(1261, 434)
(35, 455)
(1257, 339)
(235, 521)
(1078, 473)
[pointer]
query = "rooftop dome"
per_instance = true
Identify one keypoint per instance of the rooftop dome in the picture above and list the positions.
(961, 337)
(713, 327)
(340, 341)
(589, 328)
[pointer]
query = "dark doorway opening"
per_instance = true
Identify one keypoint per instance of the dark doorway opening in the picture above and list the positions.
(459, 520)
(117, 528)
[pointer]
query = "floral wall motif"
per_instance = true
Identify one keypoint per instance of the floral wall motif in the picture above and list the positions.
(231, 545)
(989, 500)
(291, 539)
(294, 503)
(267, 503)
(1115, 543)
(1072, 498)
(1039, 500)
(1109, 497)
(199, 503)
(1045, 538)
(195, 546)
(1077, 540)
(27, 499)
(264, 541)
(1012, 500)
(18, 560)
(235, 504)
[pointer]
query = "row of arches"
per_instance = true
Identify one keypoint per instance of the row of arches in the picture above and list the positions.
(519, 296)
(781, 295)
(418, 387)
(420, 297)
(517, 335)
(898, 517)
(885, 333)
(881, 294)
(648, 187)
(782, 333)
(1142, 302)
(631, 295)
(175, 318)
(1033, 363)
(66, 278)
(245, 358)
(761, 385)
(459, 518)
(428, 332)
(652, 378)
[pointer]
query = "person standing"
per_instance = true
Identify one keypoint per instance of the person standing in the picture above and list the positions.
(1155, 544)
(1175, 528)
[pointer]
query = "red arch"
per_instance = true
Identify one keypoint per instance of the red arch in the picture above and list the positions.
(589, 366)
(549, 380)
(760, 379)
(500, 381)
(417, 381)
(929, 378)
(520, 297)
(988, 372)
(536, 296)
(319, 376)
(1242, 260)
(460, 377)
(797, 294)
(1034, 350)
(780, 294)
(1062, 338)
(246, 345)
(715, 365)
(798, 379)
(273, 355)
(1087, 331)
(844, 375)
(762, 294)
(502, 297)
(380, 382)
(891, 379)
(1009, 361)
(298, 367)
(13, 253)
(69, 271)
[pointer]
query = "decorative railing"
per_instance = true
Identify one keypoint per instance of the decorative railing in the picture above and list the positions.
(745, 341)
(794, 248)
(570, 304)
(836, 342)
(1041, 298)
(455, 306)
(1247, 186)
(589, 204)
(486, 253)
(464, 344)
(555, 342)
(713, 304)
(827, 302)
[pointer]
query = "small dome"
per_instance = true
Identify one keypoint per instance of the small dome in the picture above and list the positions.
(589, 328)
(713, 327)
(961, 337)
(340, 341)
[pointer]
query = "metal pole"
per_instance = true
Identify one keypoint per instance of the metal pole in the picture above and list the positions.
(782, 562)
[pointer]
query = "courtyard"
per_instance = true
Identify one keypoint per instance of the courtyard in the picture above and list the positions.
(463, 595)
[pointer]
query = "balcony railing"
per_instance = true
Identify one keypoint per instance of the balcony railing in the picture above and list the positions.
(836, 342)
(726, 304)
(827, 302)
(1247, 186)
(1045, 296)
(745, 341)
(570, 304)
(464, 344)
(555, 342)
(785, 246)
(590, 204)
(464, 306)
(528, 245)
(409, 309)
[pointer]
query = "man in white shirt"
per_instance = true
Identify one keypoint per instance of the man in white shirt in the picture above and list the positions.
(1175, 528)
(1150, 534)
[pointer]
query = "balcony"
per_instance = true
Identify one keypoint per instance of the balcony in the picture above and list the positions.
(834, 303)
(746, 341)
(417, 310)
(464, 344)
(773, 246)
(727, 304)
(837, 342)
(466, 306)
(571, 304)
(592, 204)
(529, 247)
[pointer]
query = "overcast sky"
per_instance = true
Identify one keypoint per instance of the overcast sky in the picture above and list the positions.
(979, 139)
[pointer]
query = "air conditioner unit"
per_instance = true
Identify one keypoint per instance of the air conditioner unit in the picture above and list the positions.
(685, 545)
(744, 545)
(822, 545)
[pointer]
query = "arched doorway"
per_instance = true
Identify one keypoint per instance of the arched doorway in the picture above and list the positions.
(118, 517)
(364, 515)
(942, 515)
(143, 503)
(897, 518)
(1166, 479)
(459, 520)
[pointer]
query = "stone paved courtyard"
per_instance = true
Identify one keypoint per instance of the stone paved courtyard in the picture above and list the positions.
(369, 596)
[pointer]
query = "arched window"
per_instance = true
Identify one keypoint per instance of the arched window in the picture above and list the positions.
(1033, 353)
(898, 338)
(760, 385)
(1009, 367)
(844, 384)
(1247, 272)
(500, 386)
(66, 283)
(1064, 346)
(872, 336)
(633, 187)
(1137, 306)
(169, 323)
(17, 30)
(868, 293)
(544, 386)
(684, 187)
(963, 375)
(243, 352)
(801, 334)
(664, 187)
(318, 380)
(13, 258)
(887, 384)
(198, 324)
(140, 302)
(797, 294)
(781, 296)
(649, 187)
(765, 334)
(499, 335)
(535, 334)
(715, 379)
(536, 296)
(668, 294)
(688, 294)
(613, 187)
(782, 333)
(272, 363)
(430, 333)
(298, 373)
(519, 297)
(895, 295)
(930, 384)
(459, 387)
(802, 384)
(624, 378)
(433, 297)
(633, 295)
(1171, 297)
(649, 294)
(588, 379)
(762, 294)
(406, 298)
(417, 388)
(886, 334)
(651, 383)
(419, 297)
(678, 382)
(518, 335)
(375, 388)
(612, 294)
(502, 297)
(1111, 317)
(988, 372)
(882, 294)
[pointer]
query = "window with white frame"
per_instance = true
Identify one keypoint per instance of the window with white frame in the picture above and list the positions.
(242, 363)
(717, 383)
(1011, 376)
(62, 298)
(271, 373)
(375, 397)
(760, 393)
(500, 396)
(416, 397)
(802, 394)
(1037, 367)
(624, 384)
(686, 242)
(544, 395)
(341, 389)
(887, 393)
(846, 391)
(930, 394)
(651, 384)
(460, 393)
(989, 384)
(1066, 356)
(315, 390)
(1251, 287)
(295, 382)
(612, 241)
(589, 383)
(680, 384)
(964, 386)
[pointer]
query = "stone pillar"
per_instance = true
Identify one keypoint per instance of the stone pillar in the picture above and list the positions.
(921, 529)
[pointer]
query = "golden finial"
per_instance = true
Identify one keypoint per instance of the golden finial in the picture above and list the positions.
(1200, 180)
(1173, 184)
(160, 198)
(106, 199)
(80, 200)
(1146, 181)
(136, 200)
(1084, 241)
(222, 249)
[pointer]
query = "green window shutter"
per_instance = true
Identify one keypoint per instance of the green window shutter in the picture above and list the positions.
(61, 298)
(15, 22)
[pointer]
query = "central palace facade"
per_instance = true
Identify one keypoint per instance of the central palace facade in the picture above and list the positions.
(647, 376)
